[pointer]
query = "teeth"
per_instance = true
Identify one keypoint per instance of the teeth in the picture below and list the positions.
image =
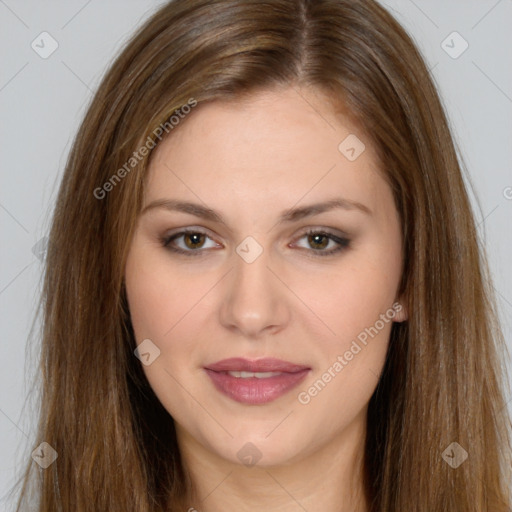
(258, 375)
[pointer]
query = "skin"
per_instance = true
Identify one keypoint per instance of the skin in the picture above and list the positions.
(250, 160)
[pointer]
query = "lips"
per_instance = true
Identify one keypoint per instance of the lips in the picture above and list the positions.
(239, 364)
(255, 382)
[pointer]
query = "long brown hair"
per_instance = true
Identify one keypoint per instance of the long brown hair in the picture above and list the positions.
(443, 380)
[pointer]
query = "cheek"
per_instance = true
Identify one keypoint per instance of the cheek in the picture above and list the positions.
(150, 303)
(165, 307)
(159, 297)
(351, 296)
(356, 304)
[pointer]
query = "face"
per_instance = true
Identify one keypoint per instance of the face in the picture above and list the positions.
(265, 240)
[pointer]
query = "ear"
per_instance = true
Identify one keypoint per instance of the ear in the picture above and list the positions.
(401, 310)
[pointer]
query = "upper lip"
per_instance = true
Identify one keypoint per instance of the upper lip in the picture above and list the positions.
(269, 364)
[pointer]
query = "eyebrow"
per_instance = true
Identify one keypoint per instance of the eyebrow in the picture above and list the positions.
(287, 216)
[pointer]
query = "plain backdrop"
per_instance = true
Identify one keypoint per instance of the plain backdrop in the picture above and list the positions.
(42, 100)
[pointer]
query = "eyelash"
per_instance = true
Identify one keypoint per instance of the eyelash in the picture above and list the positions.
(343, 243)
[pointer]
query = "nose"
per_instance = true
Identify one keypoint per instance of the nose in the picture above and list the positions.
(254, 301)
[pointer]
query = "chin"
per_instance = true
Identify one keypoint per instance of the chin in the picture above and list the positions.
(260, 450)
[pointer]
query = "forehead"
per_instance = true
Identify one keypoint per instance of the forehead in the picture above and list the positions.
(276, 146)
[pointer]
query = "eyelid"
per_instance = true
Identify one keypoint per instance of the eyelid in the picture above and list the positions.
(189, 229)
(336, 233)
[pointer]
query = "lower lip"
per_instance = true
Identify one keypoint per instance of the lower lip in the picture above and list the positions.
(253, 390)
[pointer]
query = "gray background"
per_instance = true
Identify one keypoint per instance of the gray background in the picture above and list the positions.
(43, 100)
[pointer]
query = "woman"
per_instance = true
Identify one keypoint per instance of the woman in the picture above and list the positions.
(253, 293)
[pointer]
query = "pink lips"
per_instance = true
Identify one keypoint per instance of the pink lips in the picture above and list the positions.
(255, 390)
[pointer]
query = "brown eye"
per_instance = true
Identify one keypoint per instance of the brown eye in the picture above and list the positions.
(318, 241)
(194, 240)
(189, 242)
(323, 243)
